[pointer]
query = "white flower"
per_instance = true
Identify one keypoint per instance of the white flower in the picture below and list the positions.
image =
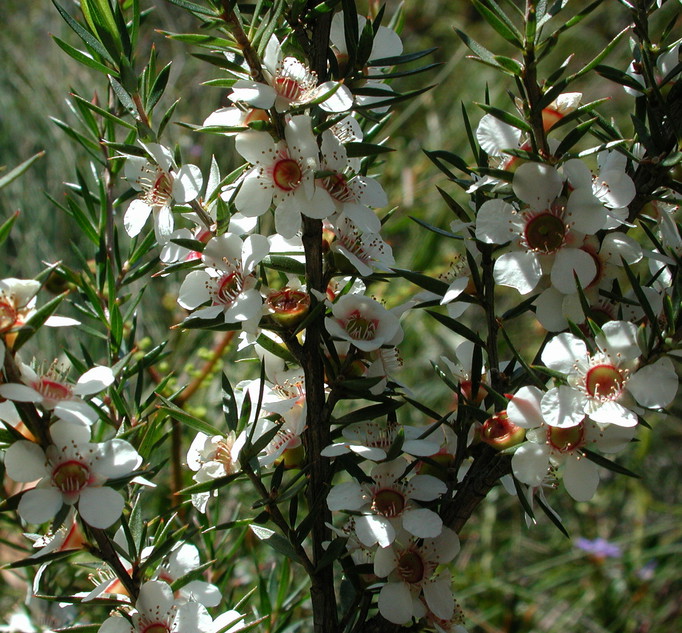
(71, 471)
(160, 183)
(211, 457)
(229, 282)
(54, 393)
(601, 384)
(283, 174)
(158, 612)
(290, 84)
(387, 504)
(545, 235)
(365, 251)
(363, 322)
(410, 565)
(183, 560)
(609, 192)
(560, 446)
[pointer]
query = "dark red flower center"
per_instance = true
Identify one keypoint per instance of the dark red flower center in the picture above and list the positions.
(411, 566)
(545, 233)
(388, 502)
(287, 174)
(71, 476)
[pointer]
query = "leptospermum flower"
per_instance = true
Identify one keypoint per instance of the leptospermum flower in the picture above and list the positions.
(54, 393)
(602, 384)
(284, 174)
(290, 84)
(363, 322)
(229, 282)
(161, 183)
(553, 446)
(387, 503)
(608, 193)
(367, 252)
(158, 612)
(373, 438)
(546, 234)
(410, 565)
(72, 470)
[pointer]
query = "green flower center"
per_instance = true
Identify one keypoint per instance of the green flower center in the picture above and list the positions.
(411, 567)
(566, 440)
(388, 503)
(71, 476)
(545, 233)
(361, 328)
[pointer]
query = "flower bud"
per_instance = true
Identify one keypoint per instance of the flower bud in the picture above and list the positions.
(498, 432)
(288, 307)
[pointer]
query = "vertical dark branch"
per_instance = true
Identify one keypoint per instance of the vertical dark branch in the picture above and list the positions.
(317, 433)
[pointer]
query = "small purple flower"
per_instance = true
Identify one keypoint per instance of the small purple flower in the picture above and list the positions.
(599, 548)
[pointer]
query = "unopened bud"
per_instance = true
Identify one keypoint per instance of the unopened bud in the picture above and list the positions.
(498, 432)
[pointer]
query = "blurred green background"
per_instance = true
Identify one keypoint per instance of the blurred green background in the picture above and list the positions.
(508, 578)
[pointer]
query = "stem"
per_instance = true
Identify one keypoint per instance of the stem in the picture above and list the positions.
(533, 90)
(108, 554)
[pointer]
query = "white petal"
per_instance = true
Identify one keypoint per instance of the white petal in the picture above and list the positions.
(561, 353)
(100, 507)
(519, 269)
(255, 146)
(225, 117)
(385, 561)
(255, 94)
(617, 188)
(620, 338)
(340, 101)
(61, 321)
(115, 624)
(94, 380)
(25, 461)
(162, 155)
(549, 310)
(585, 212)
(116, 458)
(569, 262)
(193, 291)
(192, 616)
(76, 412)
(19, 393)
(255, 248)
(163, 224)
(456, 288)
(614, 439)
(301, 140)
(395, 602)
(578, 174)
(494, 135)
(155, 597)
(614, 413)
(203, 592)
(563, 407)
(422, 523)
(254, 196)
(439, 598)
(524, 408)
(187, 183)
(581, 478)
(494, 222)
(40, 504)
(654, 386)
(537, 184)
(287, 219)
(136, 216)
(426, 488)
(530, 463)
(371, 530)
(346, 496)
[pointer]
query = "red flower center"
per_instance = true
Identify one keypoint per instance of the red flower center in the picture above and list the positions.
(288, 88)
(156, 627)
(229, 288)
(287, 174)
(337, 186)
(52, 389)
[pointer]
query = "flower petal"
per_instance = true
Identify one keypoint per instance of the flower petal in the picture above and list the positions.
(40, 504)
(581, 478)
(100, 507)
(94, 380)
(519, 269)
(395, 602)
(654, 386)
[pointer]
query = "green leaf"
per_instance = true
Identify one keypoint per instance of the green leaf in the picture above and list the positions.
(482, 52)
(498, 20)
(276, 541)
(185, 418)
(229, 404)
(617, 75)
(401, 59)
(102, 112)
(84, 58)
(194, 8)
(90, 40)
(423, 281)
(275, 348)
(359, 150)
(435, 229)
(507, 118)
(123, 96)
(371, 412)
(284, 264)
(457, 327)
(158, 87)
(6, 227)
(36, 320)
(604, 462)
(18, 170)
